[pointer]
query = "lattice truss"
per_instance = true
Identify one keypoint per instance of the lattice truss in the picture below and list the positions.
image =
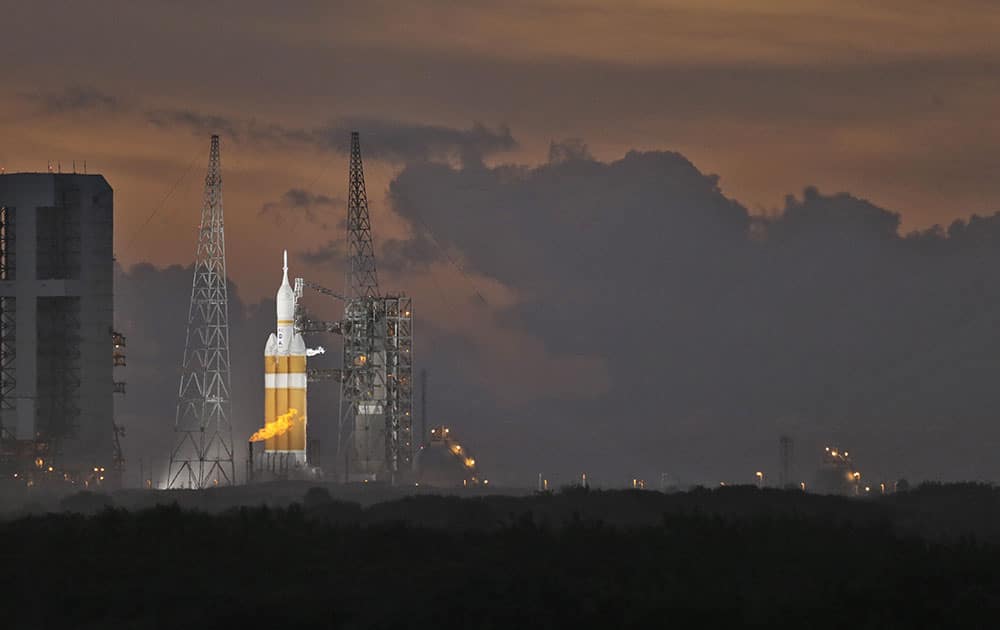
(399, 382)
(203, 454)
(376, 399)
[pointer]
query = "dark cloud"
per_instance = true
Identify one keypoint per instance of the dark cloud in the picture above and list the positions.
(822, 321)
(396, 141)
(399, 255)
(198, 123)
(567, 150)
(841, 216)
(315, 208)
(384, 139)
(977, 233)
(490, 213)
(75, 99)
(331, 252)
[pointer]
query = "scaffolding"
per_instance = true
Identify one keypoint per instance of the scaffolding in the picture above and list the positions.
(399, 382)
(362, 427)
(376, 412)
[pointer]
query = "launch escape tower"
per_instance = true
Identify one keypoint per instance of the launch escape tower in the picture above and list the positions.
(203, 451)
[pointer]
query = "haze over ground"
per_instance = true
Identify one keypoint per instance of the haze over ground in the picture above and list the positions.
(638, 314)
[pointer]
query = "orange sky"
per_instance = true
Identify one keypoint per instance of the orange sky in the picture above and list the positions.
(895, 103)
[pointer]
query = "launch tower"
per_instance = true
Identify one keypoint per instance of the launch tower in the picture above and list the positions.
(376, 398)
(203, 451)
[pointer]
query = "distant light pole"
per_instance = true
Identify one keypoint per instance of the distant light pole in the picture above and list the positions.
(760, 479)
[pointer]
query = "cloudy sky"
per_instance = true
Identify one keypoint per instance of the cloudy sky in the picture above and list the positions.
(641, 236)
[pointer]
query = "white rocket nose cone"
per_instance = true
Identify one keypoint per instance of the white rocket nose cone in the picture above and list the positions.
(286, 297)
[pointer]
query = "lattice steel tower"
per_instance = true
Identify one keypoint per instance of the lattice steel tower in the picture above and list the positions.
(203, 451)
(375, 437)
(362, 280)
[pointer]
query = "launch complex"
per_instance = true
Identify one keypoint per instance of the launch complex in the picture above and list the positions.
(59, 352)
(59, 359)
(374, 432)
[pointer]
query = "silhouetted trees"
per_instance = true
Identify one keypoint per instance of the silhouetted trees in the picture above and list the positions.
(580, 558)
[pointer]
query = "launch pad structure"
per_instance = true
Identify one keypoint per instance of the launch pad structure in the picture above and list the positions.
(376, 389)
(374, 431)
(374, 428)
(376, 404)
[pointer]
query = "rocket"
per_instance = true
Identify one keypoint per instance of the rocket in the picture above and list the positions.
(285, 379)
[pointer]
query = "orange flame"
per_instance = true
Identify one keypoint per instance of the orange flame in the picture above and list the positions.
(281, 425)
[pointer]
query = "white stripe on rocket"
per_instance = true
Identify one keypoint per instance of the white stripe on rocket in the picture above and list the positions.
(285, 381)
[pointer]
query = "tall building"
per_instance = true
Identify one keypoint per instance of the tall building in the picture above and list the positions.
(56, 316)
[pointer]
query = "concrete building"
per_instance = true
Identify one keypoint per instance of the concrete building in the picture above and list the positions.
(56, 318)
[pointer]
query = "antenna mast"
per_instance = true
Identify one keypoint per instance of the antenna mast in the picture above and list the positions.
(362, 279)
(203, 451)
